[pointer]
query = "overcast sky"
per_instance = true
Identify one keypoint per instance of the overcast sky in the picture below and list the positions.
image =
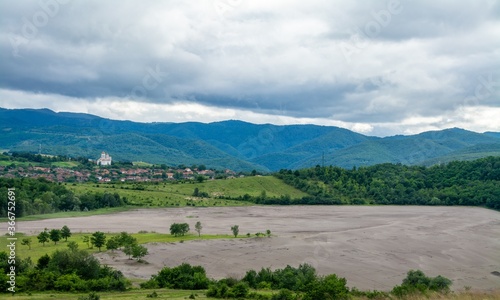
(375, 67)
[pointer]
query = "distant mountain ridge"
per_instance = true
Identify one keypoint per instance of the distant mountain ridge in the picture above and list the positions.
(232, 144)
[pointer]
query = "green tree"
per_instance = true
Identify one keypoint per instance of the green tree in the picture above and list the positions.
(55, 235)
(26, 242)
(43, 237)
(125, 239)
(236, 230)
(128, 250)
(200, 178)
(268, 232)
(198, 227)
(112, 244)
(73, 246)
(43, 262)
(65, 232)
(98, 239)
(86, 240)
(179, 229)
(139, 251)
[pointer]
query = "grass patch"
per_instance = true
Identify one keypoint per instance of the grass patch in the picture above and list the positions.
(71, 214)
(141, 164)
(37, 249)
(65, 164)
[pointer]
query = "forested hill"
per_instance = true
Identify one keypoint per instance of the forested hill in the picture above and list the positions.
(474, 183)
(236, 145)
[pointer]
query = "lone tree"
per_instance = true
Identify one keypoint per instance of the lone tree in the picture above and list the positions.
(179, 229)
(55, 235)
(235, 229)
(139, 251)
(198, 227)
(65, 232)
(26, 242)
(43, 237)
(98, 239)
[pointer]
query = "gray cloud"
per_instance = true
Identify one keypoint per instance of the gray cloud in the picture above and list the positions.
(376, 62)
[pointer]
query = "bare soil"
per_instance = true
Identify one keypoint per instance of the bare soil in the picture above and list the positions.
(372, 247)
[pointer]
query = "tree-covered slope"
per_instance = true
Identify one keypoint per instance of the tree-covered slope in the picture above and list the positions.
(230, 144)
(475, 183)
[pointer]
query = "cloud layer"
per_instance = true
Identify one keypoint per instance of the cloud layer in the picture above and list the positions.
(381, 67)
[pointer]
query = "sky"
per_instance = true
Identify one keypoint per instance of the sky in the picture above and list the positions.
(375, 67)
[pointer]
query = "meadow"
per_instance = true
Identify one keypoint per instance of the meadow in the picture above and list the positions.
(171, 194)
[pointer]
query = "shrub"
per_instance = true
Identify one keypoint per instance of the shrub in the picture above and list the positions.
(185, 277)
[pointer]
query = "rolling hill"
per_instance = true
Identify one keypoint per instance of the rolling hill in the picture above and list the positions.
(233, 144)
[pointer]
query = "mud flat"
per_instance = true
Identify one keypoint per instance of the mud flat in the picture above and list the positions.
(372, 247)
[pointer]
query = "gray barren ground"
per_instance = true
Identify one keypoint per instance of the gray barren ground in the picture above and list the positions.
(372, 247)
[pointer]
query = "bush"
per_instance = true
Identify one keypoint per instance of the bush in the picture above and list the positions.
(329, 287)
(91, 296)
(184, 277)
(417, 283)
(284, 294)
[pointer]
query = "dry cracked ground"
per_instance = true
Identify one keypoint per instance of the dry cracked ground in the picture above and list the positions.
(372, 247)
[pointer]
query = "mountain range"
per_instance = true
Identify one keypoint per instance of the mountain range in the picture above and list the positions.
(232, 144)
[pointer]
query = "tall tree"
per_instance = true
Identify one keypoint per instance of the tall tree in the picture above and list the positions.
(43, 237)
(198, 227)
(65, 232)
(236, 230)
(55, 235)
(98, 239)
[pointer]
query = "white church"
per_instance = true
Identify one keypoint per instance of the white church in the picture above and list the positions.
(105, 159)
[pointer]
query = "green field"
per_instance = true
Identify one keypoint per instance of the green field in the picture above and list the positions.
(167, 194)
(37, 249)
(65, 164)
(133, 294)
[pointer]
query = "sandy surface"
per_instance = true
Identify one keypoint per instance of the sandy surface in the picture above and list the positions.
(373, 247)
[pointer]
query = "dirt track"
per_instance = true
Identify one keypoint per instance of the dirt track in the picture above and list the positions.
(373, 247)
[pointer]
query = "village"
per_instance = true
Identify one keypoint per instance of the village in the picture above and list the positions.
(105, 170)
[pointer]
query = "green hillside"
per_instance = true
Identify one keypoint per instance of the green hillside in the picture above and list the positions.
(236, 145)
(181, 194)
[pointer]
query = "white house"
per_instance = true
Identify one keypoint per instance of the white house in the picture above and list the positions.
(105, 159)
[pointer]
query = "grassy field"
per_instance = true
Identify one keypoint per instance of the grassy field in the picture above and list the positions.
(37, 249)
(180, 194)
(65, 164)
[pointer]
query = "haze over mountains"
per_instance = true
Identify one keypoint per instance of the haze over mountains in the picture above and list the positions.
(232, 144)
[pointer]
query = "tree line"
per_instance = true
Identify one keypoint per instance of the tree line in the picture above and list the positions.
(289, 283)
(40, 196)
(472, 183)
